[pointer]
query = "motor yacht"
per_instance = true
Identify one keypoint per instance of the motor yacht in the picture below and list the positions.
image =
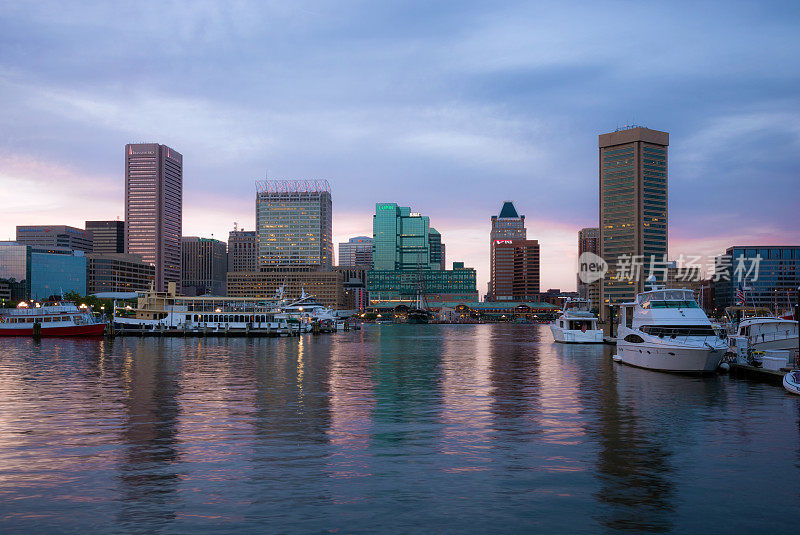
(666, 330)
(576, 324)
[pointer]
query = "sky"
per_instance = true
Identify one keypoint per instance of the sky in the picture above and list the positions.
(448, 107)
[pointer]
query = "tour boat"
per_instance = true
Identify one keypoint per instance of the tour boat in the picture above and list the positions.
(61, 318)
(791, 382)
(576, 324)
(666, 330)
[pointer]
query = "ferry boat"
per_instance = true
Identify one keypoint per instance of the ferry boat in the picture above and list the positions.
(576, 324)
(168, 313)
(666, 330)
(59, 318)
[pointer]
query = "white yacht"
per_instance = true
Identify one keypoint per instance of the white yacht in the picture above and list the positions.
(576, 324)
(759, 333)
(667, 330)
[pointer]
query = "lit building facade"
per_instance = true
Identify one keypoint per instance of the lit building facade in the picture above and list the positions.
(326, 286)
(154, 208)
(356, 252)
(458, 284)
(294, 223)
(633, 209)
(27, 272)
(107, 236)
(117, 272)
(73, 238)
(204, 264)
(243, 250)
(768, 275)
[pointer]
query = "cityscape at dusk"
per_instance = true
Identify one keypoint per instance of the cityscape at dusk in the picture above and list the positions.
(452, 113)
(399, 267)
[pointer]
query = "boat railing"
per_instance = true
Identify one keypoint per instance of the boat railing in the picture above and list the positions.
(769, 337)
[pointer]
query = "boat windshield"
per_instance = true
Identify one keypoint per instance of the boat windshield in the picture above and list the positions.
(668, 299)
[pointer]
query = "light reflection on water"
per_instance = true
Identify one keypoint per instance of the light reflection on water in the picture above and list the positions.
(393, 428)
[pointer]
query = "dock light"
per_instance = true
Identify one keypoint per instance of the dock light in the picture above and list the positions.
(217, 310)
(102, 307)
(301, 309)
(128, 307)
(83, 306)
(22, 304)
(38, 305)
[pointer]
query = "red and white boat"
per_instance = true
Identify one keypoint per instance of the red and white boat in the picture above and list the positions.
(56, 319)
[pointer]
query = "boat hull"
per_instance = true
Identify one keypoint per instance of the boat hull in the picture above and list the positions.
(671, 359)
(566, 336)
(791, 382)
(96, 329)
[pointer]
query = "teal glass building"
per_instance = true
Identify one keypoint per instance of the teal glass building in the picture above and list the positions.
(408, 258)
(404, 240)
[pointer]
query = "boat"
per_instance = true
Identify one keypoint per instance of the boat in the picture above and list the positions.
(576, 324)
(763, 333)
(791, 382)
(166, 313)
(54, 319)
(307, 310)
(666, 330)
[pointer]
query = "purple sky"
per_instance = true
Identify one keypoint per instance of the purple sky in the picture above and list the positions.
(450, 109)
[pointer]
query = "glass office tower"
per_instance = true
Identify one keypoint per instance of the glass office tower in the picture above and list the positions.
(294, 224)
(633, 210)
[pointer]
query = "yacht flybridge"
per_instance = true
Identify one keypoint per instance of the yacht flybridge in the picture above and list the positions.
(576, 324)
(667, 330)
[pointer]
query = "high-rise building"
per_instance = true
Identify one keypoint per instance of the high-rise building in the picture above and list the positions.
(294, 224)
(589, 242)
(513, 259)
(107, 236)
(117, 272)
(516, 270)
(407, 259)
(73, 238)
(153, 208)
(402, 240)
(243, 250)
(204, 265)
(356, 252)
(633, 211)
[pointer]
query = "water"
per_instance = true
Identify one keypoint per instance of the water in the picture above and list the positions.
(473, 428)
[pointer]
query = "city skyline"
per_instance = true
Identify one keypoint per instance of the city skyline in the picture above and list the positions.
(446, 120)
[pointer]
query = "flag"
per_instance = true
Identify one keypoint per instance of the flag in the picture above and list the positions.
(740, 296)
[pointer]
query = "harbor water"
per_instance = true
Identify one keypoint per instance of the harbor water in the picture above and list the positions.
(392, 428)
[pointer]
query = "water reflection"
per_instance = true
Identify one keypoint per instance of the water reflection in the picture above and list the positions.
(460, 428)
(147, 471)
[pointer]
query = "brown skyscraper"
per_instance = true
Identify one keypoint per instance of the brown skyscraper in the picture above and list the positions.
(153, 208)
(633, 207)
(513, 260)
